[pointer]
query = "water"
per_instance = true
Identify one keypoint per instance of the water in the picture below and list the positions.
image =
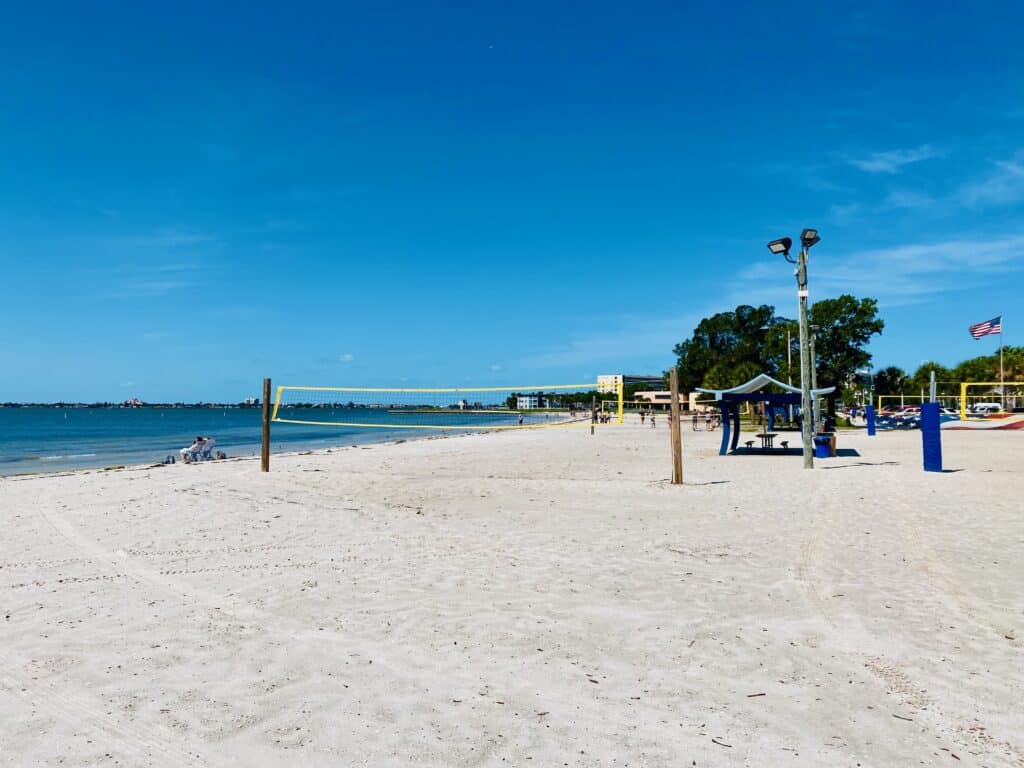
(47, 439)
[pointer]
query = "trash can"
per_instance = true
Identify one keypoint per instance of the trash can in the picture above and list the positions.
(822, 444)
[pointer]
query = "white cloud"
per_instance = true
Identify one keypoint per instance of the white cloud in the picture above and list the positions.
(495, 367)
(346, 358)
(900, 275)
(908, 199)
(913, 273)
(1004, 184)
(644, 343)
(894, 159)
(154, 287)
(844, 214)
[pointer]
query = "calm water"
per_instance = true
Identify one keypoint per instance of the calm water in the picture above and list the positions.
(43, 439)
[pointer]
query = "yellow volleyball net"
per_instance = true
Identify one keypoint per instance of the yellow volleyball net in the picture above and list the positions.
(453, 408)
(989, 398)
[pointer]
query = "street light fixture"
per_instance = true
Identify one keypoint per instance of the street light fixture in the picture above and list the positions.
(808, 238)
(781, 246)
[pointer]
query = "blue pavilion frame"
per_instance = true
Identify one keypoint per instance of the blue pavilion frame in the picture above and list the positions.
(730, 407)
(728, 401)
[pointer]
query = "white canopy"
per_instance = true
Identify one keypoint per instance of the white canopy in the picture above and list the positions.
(760, 382)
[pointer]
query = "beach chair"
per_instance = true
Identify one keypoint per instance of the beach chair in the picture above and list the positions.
(206, 452)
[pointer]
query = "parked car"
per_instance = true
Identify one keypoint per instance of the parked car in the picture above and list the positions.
(984, 409)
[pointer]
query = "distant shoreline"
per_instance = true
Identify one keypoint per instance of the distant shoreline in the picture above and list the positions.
(122, 406)
(318, 451)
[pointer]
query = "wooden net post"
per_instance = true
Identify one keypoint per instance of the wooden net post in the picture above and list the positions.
(265, 453)
(675, 432)
(593, 413)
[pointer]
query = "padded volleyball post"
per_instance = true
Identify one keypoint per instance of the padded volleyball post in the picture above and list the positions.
(724, 449)
(931, 437)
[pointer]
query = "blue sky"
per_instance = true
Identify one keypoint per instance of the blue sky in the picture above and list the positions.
(385, 193)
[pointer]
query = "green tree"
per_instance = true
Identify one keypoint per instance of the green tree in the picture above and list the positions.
(731, 347)
(921, 379)
(845, 326)
(724, 342)
(1013, 363)
(724, 375)
(783, 365)
(891, 381)
(983, 368)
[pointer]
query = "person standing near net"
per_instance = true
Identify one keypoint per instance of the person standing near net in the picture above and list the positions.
(520, 419)
(652, 419)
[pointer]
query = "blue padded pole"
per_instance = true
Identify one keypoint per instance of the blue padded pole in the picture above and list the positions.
(931, 437)
(869, 414)
(725, 429)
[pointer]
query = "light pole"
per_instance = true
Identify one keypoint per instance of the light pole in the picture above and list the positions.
(789, 368)
(871, 386)
(789, 353)
(807, 239)
(815, 406)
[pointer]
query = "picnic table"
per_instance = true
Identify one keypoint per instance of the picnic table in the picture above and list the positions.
(767, 440)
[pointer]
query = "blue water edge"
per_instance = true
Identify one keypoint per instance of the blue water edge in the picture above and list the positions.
(41, 439)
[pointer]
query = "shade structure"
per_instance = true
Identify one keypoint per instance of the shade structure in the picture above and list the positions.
(752, 392)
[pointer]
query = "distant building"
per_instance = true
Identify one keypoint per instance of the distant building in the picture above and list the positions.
(251, 400)
(655, 397)
(133, 403)
(527, 402)
(663, 398)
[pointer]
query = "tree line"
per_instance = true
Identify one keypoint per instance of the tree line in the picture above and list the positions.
(893, 380)
(730, 348)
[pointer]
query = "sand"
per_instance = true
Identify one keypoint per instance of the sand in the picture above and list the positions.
(530, 598)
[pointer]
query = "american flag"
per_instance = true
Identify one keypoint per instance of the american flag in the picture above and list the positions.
(995, 325)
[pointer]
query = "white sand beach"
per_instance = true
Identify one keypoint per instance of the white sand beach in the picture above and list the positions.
(530, 598)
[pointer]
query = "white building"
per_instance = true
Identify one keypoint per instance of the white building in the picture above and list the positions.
(526, 402)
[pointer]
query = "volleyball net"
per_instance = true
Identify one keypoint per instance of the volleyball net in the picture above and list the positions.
(969, 396)
(454, 408)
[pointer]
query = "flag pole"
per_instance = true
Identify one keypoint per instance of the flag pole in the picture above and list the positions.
(1002, 384)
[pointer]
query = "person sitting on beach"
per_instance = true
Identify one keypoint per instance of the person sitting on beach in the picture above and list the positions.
(190, 453)
(199, 450)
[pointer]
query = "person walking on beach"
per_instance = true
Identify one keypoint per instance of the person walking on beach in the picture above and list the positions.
(520, 419)
(652, 419)
(642, 414)
(695, 417)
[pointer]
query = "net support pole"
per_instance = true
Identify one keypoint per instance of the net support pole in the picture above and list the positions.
(1002, 383)
(593, 413)
(675, 432)
(931, 437)
(622, 393)
(265, 448)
